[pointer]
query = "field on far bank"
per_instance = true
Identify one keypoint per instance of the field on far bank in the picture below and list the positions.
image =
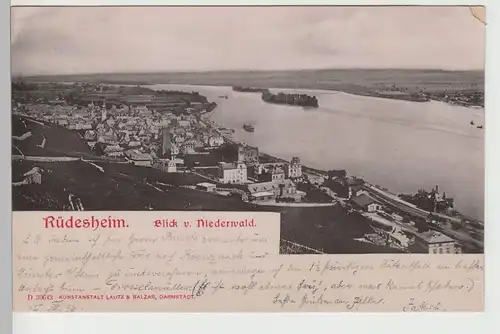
(356, 81)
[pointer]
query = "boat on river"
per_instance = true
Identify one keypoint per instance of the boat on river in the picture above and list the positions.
(248, 128)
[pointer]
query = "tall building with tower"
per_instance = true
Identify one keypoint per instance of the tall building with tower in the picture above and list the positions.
(92, 109)
(166, 146)
(293, 170)
(104, 113)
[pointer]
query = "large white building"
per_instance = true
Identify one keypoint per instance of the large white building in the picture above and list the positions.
(434, 242)
(233, 172)
(293, 170)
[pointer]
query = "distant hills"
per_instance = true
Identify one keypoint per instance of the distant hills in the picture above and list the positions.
(347, 80)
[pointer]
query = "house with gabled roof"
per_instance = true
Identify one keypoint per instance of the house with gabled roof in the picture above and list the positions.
(365, 203)
(434, 242)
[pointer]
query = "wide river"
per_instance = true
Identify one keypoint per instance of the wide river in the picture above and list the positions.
(400, 145)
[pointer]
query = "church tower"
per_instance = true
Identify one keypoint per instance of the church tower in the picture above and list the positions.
(294, 169)
(241, 153)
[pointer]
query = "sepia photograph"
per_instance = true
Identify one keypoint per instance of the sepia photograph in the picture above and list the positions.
(363, 127)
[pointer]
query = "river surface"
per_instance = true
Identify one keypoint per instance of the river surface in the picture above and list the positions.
(400, 145)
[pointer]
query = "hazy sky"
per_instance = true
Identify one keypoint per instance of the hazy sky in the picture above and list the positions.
(91, 40)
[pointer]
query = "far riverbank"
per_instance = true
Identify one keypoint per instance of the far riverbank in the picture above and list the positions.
(395, 84)
(349, 89)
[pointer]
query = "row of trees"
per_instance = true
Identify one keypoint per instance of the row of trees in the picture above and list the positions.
(23, 86)
(291, 99)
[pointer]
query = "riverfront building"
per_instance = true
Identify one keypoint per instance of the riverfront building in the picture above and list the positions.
(269, 191)
(233, 172)
(343, 186)
(293, 170)
(356, 191)
(274, 173)
(365, 203)
(434, 242)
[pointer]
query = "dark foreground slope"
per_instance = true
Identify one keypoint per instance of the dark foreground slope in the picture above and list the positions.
(126, 189)
(129, 188)
(59, 141)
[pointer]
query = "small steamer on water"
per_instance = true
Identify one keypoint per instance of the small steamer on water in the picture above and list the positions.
(248, 128)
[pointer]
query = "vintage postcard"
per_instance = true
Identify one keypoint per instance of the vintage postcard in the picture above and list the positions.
(248, 159)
